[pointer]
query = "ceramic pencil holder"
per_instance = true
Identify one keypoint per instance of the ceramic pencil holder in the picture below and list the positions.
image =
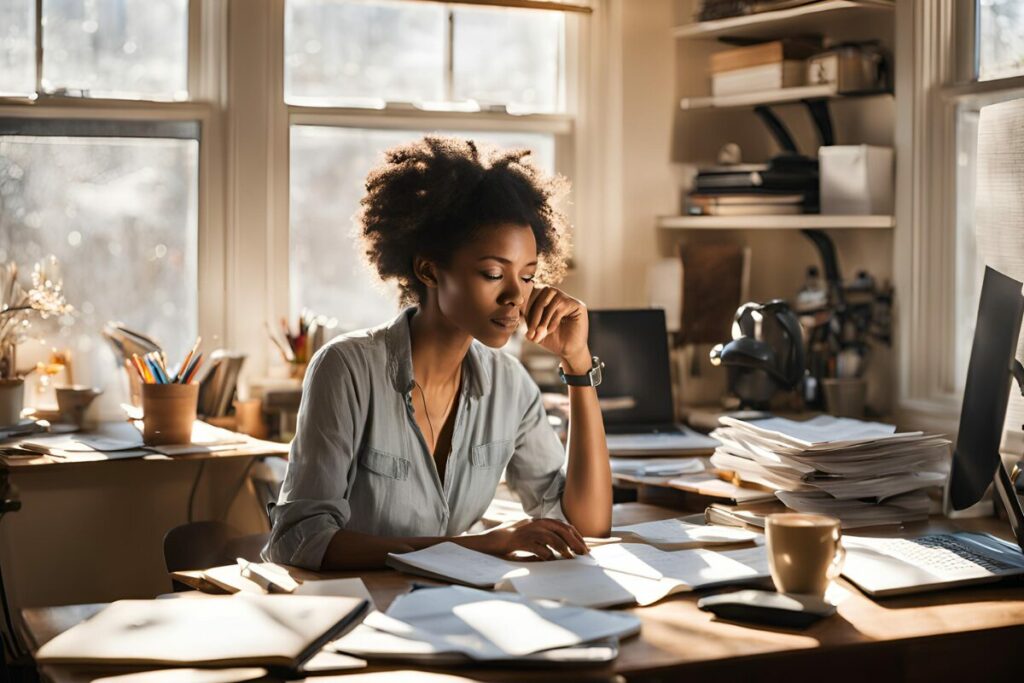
(168, 411)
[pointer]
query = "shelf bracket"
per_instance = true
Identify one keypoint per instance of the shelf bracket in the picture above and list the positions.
(776, 128)
(819, 111)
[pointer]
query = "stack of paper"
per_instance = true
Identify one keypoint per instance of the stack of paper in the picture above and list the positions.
(865, 473)
(615, 574)
(433, 624)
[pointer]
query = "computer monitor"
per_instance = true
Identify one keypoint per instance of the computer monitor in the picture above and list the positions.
(633, 343)
(976, 460)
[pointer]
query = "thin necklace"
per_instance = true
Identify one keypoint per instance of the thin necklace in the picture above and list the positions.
(426, 411)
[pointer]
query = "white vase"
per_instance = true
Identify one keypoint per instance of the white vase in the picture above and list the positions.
(12, 400)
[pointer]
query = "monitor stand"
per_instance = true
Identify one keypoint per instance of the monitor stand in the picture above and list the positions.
(1005, 486)
(1007, 493)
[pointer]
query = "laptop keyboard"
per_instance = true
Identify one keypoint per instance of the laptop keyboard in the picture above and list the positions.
(941, 553)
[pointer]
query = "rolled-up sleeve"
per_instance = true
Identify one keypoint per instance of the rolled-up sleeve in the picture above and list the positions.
(313, 504)
(536, 471)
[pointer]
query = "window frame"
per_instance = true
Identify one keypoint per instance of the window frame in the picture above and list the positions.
(936, 75)
(206, 36)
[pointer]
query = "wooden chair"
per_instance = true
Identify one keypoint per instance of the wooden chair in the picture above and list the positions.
(200, 545)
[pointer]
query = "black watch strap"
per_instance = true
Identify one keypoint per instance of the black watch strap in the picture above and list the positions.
(591, 379)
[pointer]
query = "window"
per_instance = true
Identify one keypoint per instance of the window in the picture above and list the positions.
(112, 192)
(995, 51)
(363, 76)
(1000, 36)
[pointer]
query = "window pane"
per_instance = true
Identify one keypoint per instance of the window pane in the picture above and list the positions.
(328, 173)
(17, 47)
(121, 215)
(1000, 38)
(969, 267)
(508, 56)
(116, 48)
(337, 50)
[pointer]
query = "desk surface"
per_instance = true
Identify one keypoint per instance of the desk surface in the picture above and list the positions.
(935, 636)
(252, 448)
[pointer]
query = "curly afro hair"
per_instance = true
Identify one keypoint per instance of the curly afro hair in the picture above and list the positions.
(431, 196)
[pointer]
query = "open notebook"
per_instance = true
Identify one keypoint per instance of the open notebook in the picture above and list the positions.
(253, 630)
(615, 574)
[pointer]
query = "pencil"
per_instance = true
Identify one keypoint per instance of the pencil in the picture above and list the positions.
(188, 357)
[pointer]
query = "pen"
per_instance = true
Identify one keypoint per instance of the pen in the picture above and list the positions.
(267, 579)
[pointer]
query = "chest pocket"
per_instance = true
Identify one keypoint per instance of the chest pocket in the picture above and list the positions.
(491, 455)
(385, 464)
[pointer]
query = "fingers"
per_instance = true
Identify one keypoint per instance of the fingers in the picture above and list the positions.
(538, 308)
(566, 533)
(541, 550)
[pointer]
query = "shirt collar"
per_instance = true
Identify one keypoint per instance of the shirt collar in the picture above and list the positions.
(399, 348)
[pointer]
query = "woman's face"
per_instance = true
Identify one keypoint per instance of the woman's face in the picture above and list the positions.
(484, 288)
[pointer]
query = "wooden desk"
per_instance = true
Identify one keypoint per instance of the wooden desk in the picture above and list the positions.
(966, 634)
(92, 531)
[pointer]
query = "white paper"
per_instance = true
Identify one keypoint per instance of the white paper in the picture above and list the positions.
(481, 625)
(676, 532)
(685, 440)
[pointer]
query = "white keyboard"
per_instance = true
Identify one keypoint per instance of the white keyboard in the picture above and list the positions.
(939, 554)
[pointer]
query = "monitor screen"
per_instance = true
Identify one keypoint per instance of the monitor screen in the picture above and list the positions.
(633, 344)
(987, 391)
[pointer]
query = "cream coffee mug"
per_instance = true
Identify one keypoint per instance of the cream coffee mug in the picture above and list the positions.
(805, 552)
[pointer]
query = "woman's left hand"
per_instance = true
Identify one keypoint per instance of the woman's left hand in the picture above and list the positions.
(558, 322)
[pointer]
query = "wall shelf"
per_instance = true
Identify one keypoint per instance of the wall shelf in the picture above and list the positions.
(792, 222)
(818, 17)
(781, 96)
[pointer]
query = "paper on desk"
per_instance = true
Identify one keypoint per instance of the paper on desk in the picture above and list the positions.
(819, 431)
(613, 574)
(480, 625)
(668, 443)
(675, 534)
(667, 467)
(710, 485)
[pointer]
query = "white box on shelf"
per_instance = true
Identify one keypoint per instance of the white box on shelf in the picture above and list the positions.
(856, 179)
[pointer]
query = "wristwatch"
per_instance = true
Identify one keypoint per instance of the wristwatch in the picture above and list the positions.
(591, 379)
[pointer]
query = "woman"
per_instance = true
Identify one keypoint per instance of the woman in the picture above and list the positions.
(405, 429)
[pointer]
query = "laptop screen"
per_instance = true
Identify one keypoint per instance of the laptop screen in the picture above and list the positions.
(637, 385)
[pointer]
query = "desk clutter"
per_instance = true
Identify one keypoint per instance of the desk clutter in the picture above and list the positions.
(864, 473)
(123, 440)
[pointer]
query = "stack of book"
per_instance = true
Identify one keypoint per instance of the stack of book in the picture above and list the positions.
(764, 66)
(864, 473)
(786, 185)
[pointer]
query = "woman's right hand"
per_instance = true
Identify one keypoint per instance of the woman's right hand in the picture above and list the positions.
(542, 537)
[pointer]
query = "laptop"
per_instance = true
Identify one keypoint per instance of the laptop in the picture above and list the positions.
(636, 388)
(884, 567)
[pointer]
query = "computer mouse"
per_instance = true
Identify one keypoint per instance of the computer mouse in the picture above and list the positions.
(788, 610)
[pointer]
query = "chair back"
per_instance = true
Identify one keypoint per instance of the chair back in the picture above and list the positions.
(201, 545)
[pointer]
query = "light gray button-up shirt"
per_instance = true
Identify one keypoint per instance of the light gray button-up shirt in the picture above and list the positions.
(359, 461)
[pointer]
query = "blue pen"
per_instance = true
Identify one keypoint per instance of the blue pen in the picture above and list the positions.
(155, 369)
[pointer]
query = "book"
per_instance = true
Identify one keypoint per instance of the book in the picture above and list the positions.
(219, 631)
(759, 198)
(764, 53)
(748, 210)
(787, 74)
(613, 574)
(436, 623)
(217, 386)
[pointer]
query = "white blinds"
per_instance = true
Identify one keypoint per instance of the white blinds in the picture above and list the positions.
(999, 213)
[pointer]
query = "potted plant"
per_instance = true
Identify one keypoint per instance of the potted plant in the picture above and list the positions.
(18, 307)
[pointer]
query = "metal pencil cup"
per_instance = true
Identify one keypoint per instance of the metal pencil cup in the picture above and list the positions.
(168, 411)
